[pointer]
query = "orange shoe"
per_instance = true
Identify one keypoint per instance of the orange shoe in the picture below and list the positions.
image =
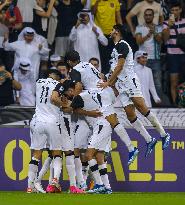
(91, 185)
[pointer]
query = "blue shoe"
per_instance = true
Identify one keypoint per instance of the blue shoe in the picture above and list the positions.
(108, 191)
(165, 141)
(133, 155)
(98, 189)
(83, 186)
(150, 147)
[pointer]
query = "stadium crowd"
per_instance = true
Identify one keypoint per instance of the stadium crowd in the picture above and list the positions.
(36, 35)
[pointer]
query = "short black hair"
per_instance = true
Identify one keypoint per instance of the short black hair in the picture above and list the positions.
(120, 28)
(149, 10)
(68, 84)
(54, 71)
(73, 56)
(94, 59)
(62, 64)
(175, 4)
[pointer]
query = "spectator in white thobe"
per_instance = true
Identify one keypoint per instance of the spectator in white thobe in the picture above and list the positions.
(25, 97)
(85, 35)
(29, 45)
(146, 78)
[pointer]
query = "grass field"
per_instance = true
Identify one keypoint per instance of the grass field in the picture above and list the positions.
(20, 198)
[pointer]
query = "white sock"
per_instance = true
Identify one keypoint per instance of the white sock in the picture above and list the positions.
(138, 125)
(156, 124)
(104, 175)
(32, 172)
(57, 167)
(85, 169)
(78, 169)
(44, 169)
(121, 132)
(70, 165)
(95, 171)
(51, 174)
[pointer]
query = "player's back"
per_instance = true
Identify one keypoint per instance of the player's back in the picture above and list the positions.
(90, 76)
(91, 102)
(45, 110)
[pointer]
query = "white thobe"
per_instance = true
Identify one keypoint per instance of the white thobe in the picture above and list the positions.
(27, 50)
(147, 83)
(86, 41)
(27, 93)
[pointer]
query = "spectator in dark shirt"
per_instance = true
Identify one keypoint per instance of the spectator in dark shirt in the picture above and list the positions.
(67, 17)
(7, 84)
(40, 16)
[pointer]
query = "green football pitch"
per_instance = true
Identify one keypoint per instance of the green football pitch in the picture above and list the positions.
(20, 198)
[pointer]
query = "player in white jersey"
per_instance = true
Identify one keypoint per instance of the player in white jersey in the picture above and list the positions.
(129, 89)
(45, 126)
(86, 104)
(66, 140)
(90, 77)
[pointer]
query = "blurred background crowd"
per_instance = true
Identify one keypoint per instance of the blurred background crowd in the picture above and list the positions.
(35, 36)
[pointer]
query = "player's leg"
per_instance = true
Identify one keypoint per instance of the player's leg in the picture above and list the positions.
(45, 168)
(138, 125)
(121, 132)
(93, 166)
(33, 170)
(133, 88)
(100, 156)
(85, 165)
(70, 166)
(38, 141)
(107, 98)
(55, 143)
(98, 142)
(78, 168)
(143, 109)
(80, 142)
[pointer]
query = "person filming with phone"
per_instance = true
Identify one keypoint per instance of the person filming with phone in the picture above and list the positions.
(85, 35)
(174, 37)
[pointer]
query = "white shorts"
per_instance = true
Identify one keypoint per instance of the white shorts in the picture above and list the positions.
(45, 134)
(101, 137)
(128, 89)
(67, 133)
(82, 133)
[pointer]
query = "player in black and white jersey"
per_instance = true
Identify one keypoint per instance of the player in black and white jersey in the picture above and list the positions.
(49, 126)
(90, 77)
(45, 126)
(129, 88)
(86, 104)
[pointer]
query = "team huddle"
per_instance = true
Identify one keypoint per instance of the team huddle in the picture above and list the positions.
(77, 117)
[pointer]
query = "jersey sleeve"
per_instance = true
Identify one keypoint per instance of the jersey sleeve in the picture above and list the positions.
(122, 50)
(77, 102)
(59, 88)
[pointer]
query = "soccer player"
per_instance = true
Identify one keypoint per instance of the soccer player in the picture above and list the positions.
(45, 127)
(90, 77)
(86, 104)
(128, 85)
